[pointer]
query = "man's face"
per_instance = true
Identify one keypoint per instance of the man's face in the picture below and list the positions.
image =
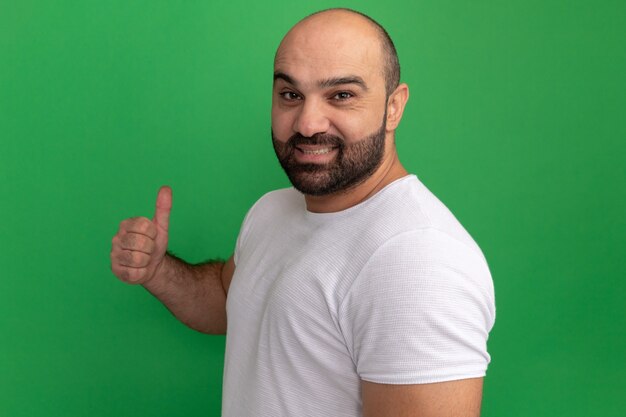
(328, 106)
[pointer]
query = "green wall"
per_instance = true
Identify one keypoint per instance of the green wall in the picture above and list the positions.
(516, 121)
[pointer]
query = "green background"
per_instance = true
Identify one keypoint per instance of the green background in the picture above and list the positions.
(516, 121)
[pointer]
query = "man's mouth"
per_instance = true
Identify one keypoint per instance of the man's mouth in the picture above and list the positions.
(314, 150)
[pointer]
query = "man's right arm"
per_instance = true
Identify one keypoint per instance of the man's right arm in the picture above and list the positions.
(195, 294)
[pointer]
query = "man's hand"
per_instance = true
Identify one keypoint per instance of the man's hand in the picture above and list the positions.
(139, 246)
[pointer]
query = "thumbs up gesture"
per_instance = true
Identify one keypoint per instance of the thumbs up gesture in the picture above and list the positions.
(138, 248)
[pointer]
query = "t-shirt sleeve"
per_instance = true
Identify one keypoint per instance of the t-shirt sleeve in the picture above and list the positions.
(420, 311)
(243, 231)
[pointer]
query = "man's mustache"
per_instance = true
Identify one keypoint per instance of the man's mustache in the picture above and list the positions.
(317, 139)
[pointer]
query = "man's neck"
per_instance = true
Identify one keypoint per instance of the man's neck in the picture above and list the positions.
(389, 171)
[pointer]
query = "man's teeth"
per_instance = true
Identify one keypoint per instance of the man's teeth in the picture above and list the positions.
(316, 151)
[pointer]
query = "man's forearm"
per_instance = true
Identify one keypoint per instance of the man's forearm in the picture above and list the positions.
(193, 293)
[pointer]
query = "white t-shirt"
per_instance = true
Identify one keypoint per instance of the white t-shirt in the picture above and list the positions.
(392, 290)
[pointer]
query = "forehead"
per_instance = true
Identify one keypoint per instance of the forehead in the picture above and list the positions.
(327, 48)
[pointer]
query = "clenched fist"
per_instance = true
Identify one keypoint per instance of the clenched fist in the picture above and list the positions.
(139, 246)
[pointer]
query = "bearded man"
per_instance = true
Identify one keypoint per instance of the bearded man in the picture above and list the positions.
(355, 293)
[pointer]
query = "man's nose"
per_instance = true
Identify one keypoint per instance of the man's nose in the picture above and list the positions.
(311, 119)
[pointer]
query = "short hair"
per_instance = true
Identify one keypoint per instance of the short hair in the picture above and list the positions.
(391, 70)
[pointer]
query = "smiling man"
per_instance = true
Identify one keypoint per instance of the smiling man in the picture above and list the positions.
(355, 293)
(336, 104)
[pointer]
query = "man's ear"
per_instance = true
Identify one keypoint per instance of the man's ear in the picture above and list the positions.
(395, 106)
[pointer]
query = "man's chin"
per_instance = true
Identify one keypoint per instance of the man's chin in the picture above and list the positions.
(311, 183)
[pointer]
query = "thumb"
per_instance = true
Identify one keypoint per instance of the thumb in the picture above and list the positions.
(163, 208)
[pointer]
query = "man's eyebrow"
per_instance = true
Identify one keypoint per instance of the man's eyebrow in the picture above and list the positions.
(334, 82)
(327, 83)
(285, 77)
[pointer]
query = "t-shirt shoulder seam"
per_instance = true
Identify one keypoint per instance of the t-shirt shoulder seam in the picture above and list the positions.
(243, 230)
(393, 238)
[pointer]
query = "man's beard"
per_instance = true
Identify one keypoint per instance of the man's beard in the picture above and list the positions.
(353, 164)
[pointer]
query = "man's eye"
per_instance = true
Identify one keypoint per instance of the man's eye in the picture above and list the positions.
(289, 95)
(343, 95)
